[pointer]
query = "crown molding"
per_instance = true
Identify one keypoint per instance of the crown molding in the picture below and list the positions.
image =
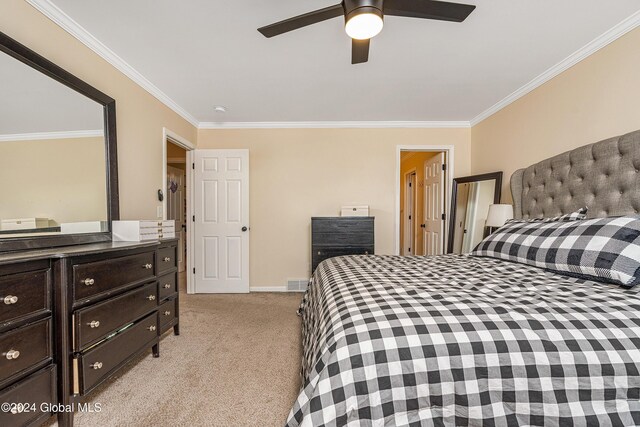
(336, 125)
(55, 14)
(592, 47)
(35, 136)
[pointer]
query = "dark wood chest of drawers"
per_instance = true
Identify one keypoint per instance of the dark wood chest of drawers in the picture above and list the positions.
(72, 317)
(337, 236)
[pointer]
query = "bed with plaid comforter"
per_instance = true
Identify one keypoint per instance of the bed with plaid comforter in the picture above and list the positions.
(457, 340)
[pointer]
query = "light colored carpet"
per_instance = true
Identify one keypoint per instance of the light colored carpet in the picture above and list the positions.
(235, 363)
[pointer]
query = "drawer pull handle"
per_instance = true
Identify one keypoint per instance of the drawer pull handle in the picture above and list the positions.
(151, 297)
(88, 281)
(167, 313)
(94, 324)
(96, 366)
(148, 266)
(12, 354)
(166, 259)
(167, 285)
(10, 299)
(151, 328)
(319, 253)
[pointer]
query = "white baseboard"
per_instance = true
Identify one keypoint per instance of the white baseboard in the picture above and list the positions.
(268, 289)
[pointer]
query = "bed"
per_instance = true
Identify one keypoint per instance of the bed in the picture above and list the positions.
(459, 340)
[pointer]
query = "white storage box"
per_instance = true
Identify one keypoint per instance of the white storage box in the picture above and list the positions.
(24, 223)
(354, 211)
(140, 231)
(83, 227)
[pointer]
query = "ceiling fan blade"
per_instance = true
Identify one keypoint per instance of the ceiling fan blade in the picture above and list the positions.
(302, 20)
(360, 51)
(428, 9)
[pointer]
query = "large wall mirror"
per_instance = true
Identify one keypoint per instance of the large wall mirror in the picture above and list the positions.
(58, 169)
(470, 200)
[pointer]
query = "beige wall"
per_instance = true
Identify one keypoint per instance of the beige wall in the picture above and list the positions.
(410, 161)
(38, 175)
(140, 116)
(594, 100)
(299, 173)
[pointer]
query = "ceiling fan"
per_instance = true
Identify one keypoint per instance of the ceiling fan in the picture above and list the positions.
(364, 19)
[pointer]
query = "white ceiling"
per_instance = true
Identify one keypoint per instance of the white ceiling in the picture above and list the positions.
(203, 53)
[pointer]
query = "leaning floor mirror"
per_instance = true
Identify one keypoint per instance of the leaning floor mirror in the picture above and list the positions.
(470, 200)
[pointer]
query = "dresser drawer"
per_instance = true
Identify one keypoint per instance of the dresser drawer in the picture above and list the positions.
(24, 294)
(319, 254)
(167, 259)
(167, 313)
(96, 277)
(24, 347)
(342, 231)
(168, 286)
(26, 398)
(98, 363)
(96, 322)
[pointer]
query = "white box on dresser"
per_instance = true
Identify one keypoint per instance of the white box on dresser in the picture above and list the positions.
(84, 227)
(359, 211)
(140, 231)
(24, 223)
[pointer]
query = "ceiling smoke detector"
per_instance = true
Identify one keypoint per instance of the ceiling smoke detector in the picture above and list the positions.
(220, 109)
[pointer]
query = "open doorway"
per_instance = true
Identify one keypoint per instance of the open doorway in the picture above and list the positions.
(177, 188)
(423, 181)
(176, 194)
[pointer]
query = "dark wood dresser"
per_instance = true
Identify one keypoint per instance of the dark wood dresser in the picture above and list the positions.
(72, 317)
(337, 236)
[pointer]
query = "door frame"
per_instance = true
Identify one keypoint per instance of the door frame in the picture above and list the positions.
(182, 142)
(448, 151)
(407, 177)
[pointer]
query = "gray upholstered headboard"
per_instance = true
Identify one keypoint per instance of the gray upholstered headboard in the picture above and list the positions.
(604, 176)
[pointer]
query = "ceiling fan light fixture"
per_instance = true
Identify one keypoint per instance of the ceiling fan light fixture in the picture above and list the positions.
(364, 23)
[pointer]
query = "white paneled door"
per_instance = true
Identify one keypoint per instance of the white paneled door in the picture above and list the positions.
(433, 230)
(221, 226)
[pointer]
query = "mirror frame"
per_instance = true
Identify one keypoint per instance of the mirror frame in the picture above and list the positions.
(27, 56)
(454, 195)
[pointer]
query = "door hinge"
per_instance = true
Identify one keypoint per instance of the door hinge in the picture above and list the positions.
(193, 166)
(194, 270)
(409, 184)
(444, 167)
(409, 216)
(194, 218)
(444, 216)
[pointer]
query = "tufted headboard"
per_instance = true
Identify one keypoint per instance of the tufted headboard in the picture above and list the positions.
(604, 176)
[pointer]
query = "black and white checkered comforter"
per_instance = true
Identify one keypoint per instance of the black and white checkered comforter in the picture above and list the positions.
(458, 340)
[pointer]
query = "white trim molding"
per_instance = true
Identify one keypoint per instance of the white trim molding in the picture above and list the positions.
(63, 20)
(52, 135)
(270, 289)
(595, 45)
(335, 125)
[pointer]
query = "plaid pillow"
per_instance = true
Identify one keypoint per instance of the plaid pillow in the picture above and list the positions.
(601, 249)
(573, 216)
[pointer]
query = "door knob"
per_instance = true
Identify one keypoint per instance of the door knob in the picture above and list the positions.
(244, 228)
(423, 225)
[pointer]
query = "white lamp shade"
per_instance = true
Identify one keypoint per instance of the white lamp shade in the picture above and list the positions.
(498, 215)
